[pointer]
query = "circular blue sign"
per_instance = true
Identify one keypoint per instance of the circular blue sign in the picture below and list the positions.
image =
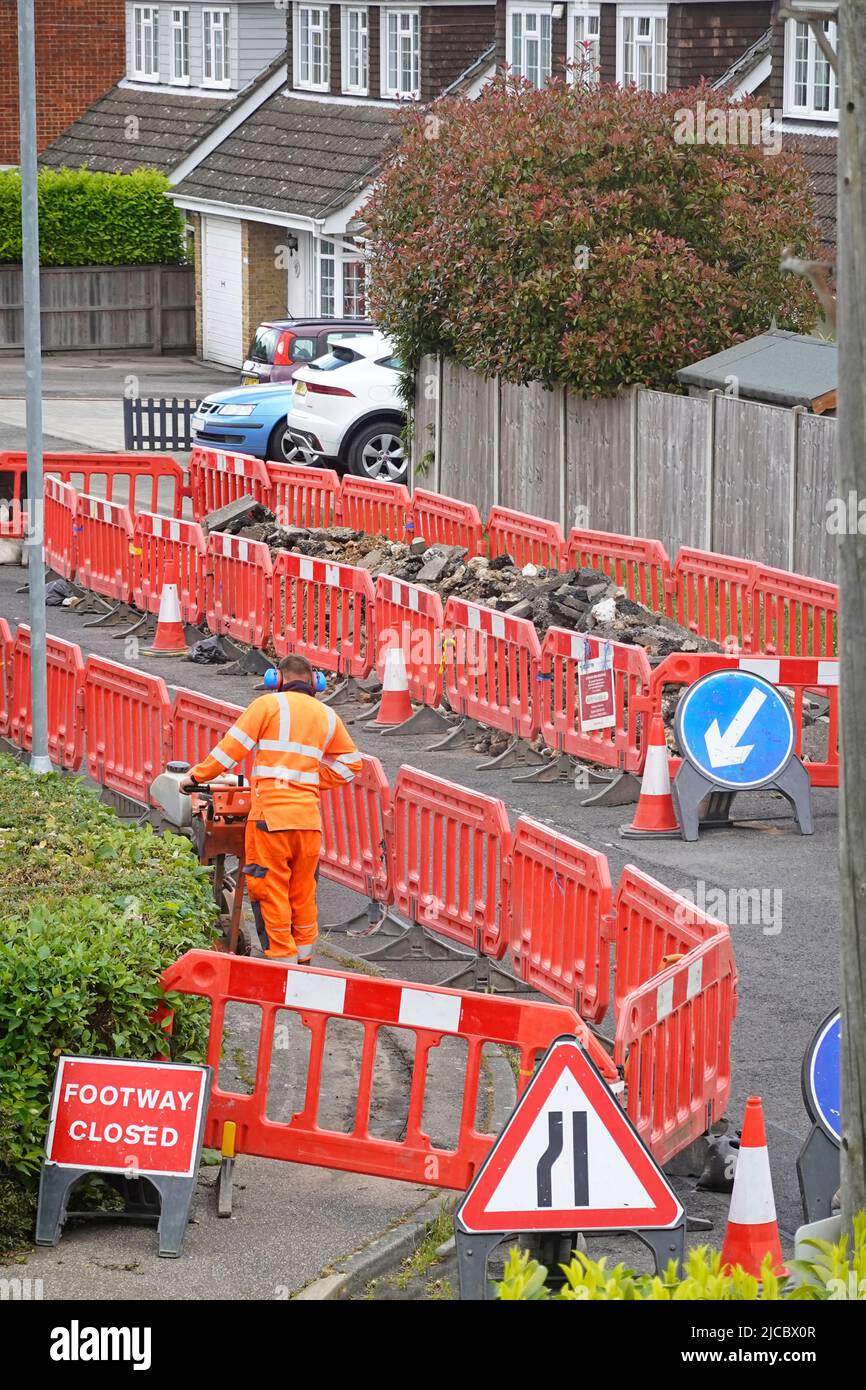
(735, 728)
(822, 1078)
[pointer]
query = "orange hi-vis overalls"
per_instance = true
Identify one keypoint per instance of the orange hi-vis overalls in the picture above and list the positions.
(299, 746)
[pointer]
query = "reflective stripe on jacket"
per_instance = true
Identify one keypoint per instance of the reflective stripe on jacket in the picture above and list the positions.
(299, 746)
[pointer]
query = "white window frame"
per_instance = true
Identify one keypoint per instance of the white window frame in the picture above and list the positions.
(361, 15)
(335, 253)
(304, 54)
(634, 14)
(145, 42)
(575, 50)
(813, 56)
(517, 61)
(408, 24)
(220, 23)
(179, 32)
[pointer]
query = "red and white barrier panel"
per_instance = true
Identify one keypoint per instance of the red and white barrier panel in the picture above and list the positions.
(304, 496)
(317, 1133)
(793, 614)
(61, 505)
(158, 541)
(639, 566)
(527, 539)
(410, 618)
(104, 545)
(802, 676)
(198, 722)
(238, 587)
(152, 484)
(217, 478)
(65, 679)
(356, 836)
(621, 745)
(447, 521)
(127, 718)
(712, 596)
(377, 509)
(492, 668)
(6, 665)
(324, 612)
(561, 923)
(652, 925)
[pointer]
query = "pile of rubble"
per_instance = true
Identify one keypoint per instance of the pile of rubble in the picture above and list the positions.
(583, 600)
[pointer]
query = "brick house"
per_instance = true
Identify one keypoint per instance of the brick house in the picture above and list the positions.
(803, 89)
(79, 55)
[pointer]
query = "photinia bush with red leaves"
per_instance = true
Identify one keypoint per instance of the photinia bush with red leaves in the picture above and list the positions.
(567, 236)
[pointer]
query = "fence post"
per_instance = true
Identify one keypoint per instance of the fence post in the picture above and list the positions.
(156, 310)
(497, 409)
(711, 467)
(563, 464)
(632, 458)
(437, 441)
(797, 412)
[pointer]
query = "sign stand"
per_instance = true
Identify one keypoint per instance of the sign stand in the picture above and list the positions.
(818, 1160)
(139, 1123)
(568, 1160)
(736, 733)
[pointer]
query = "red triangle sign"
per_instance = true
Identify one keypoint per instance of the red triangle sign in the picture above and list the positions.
(569, 1159)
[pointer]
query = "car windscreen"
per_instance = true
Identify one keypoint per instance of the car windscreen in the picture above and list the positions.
(393, 362)
(338, 356)
(264, 345)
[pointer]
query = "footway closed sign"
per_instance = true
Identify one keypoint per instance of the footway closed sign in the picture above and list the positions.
(114, 1116)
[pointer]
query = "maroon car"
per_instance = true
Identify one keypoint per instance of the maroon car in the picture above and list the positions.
(280, 346)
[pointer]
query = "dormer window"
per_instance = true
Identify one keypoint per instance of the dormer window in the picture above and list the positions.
(810, 82)
(312, 47)
(145, 43)
(529, 51)
(585, 51)
(180, 46)
(356, 51)
(216, 69)
(642, 48)
(401, 53)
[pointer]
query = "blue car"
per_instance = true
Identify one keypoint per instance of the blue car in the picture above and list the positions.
(248, 420)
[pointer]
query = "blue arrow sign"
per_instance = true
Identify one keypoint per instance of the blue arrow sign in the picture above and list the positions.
(822, 1083)
(736, 729)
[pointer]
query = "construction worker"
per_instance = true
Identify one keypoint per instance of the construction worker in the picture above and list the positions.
(299, 747)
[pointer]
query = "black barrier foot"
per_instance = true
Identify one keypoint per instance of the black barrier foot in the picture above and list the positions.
(621, 790)
(142, 621)
(558, 769)
(424, 721)
(818, 1175)
(413, 944)
(367, 921)
(467, 731)
(517, 754)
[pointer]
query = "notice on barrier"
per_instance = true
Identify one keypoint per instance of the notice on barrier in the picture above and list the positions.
(596, 690)
(114, 1116)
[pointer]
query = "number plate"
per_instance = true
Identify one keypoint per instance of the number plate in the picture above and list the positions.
(300, 388)
(249, 381)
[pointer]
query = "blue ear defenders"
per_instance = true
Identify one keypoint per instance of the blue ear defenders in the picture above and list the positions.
(273, 680)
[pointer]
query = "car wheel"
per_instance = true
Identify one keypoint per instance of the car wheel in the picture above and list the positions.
(282, 448)
(378, 453)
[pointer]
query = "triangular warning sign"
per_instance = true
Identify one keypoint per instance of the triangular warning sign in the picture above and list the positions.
(569, 1159)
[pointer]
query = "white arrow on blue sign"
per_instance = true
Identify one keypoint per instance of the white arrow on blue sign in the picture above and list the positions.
(736, 729)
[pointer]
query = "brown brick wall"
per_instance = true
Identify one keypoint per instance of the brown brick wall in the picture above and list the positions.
(451, 39)
(776, 93)
(336, 52)
(704, 40)
(264, 283)
(374, 19)
(607, 43)
(80, 54)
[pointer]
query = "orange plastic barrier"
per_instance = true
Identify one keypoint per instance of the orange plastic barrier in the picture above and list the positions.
(319, 998)
(13, 492)
(217, 478)
(162, 540)
(324, 612)
(238, 586)
(448, 521)
(127, 716)
(450, 847)
(712, 596)
(355, 840)
(304, 496)
(153, 484)
(5, 676)
(622, 746)
(411, 617)
(198, 722)
(793, 615)
(104, 547)
(561, 922)
(492, 668)
(527, 539)
(377, 509)
(673, 1041)
(65, 679)
(652, 922)
(801, 675)
(640, 566)
(61, 505)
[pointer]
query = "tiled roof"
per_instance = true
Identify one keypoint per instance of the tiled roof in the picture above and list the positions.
(746, 62)
(818, 153)
(132, 129)
(308, 158)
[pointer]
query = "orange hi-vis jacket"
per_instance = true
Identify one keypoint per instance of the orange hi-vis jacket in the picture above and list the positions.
(299, 746)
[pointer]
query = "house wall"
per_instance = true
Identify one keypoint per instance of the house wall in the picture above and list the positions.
(79, 56)
(264, 270)
(704, 40)
(451, 38)
(256, 34)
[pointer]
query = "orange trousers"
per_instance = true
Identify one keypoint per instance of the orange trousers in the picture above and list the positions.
(280, 871)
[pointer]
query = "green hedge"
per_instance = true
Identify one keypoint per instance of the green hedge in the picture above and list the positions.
(95, 219)
(91, 913)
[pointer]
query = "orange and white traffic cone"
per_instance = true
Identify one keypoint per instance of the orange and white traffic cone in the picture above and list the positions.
(753, 1232)
(655, 813)
(395, 705)
(169, 639)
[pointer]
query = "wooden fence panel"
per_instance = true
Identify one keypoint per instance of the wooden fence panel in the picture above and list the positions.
(426, 414)
(817, 483)
(530, 432)
(598, 446)
(469, 406)
(672, 469)
(86, 308)
(751, 483)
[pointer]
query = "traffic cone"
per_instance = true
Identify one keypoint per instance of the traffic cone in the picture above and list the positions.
(753, 1231)
(655, 813)
(395, 705)
(169, 639)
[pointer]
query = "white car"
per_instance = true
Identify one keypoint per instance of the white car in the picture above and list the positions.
(347, 410)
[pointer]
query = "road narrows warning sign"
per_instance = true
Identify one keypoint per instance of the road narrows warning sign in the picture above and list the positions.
(569, 1159)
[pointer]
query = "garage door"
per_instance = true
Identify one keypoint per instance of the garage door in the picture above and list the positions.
(221, 291)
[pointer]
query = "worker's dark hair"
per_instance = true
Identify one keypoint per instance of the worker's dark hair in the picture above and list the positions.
(296, 668)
